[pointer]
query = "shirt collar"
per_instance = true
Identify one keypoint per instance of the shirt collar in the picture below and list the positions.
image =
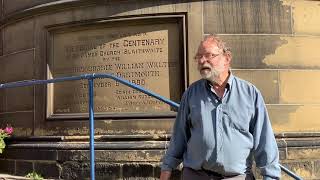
(229, 82)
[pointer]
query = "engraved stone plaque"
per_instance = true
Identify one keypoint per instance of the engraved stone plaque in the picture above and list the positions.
(147, 54)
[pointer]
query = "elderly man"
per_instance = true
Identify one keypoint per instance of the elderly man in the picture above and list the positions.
(222, 124)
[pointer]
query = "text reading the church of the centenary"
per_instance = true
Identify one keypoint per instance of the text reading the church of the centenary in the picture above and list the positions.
(140, 58)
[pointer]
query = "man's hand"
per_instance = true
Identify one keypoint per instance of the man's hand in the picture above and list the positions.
(165, 175)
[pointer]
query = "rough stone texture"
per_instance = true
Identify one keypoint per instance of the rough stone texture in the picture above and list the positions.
(304, 153)
(249, 16)
(282, 153)
(112, 156)
(137, 171)
(317, 168)
(47, 169)
(78, 170)
(302, 168)
(75, 168)
(153, 127)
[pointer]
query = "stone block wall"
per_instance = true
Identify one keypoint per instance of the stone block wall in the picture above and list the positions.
(274, 45)
(71, 160)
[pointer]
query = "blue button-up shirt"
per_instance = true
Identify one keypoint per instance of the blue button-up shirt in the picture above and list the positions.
(223, 135)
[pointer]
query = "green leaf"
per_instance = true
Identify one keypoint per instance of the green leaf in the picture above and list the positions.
(2, 145)
(34, 176)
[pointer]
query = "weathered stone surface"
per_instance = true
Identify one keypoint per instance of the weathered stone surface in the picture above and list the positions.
(273, 51)
(305, 16)
(266, 81)
(23, 168)
(302, 168)
(7, 166)
(294, 118)
(282, 153)
(317, 168)
(247, 16)
(307, 93)
(17, 67)
(304, 153)
(19, 36)
(48, 169)
(157, 170)
(153, 127)
(107, 170)
(112, 155)
(249, 51)
(308, 142)
(77, 170)
(137, 170)
(298, 52)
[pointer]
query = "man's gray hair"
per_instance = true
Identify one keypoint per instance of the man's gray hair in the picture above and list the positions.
(220, 43)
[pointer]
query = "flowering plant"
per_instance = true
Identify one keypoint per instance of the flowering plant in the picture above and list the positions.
(4, 133)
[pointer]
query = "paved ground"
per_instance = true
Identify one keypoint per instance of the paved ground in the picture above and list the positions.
(11, 177)
(7, 176)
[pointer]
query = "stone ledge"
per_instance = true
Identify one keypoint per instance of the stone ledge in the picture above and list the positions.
(134, 143)
(85, 145)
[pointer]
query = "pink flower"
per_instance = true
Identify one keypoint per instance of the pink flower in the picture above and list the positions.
(8, 130)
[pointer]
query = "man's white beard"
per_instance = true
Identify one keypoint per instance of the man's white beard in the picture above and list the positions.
(212, 75)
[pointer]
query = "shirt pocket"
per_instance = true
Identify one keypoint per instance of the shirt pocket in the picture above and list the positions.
(236, 120)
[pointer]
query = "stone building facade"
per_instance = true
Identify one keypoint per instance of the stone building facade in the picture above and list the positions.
(274, 45)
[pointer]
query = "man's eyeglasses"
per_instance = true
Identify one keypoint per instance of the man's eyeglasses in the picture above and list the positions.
(207, 56)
